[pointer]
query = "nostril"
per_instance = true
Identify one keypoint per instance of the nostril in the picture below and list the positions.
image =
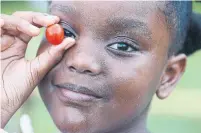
(72, 68)
(87, 71)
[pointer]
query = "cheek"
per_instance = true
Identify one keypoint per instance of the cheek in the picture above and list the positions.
(135, 84)
(64, 117)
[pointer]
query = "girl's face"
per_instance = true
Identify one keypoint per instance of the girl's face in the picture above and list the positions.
(107, 79)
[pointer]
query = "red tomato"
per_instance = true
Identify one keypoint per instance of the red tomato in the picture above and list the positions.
(55, 34)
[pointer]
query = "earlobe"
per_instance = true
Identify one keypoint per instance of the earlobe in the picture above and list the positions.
(172, 74)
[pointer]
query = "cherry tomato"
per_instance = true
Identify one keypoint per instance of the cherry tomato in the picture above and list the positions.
(55, 34)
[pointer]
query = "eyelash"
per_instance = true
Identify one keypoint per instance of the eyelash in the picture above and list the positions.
(119, 39)
(126, 40)
(68, 29)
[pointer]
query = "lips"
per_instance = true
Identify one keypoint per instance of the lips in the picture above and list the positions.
(75, 93)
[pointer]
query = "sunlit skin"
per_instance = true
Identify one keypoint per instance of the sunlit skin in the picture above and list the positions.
(120, 53)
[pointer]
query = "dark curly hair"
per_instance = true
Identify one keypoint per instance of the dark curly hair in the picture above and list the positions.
(185, 26)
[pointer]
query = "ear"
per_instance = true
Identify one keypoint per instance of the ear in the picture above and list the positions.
(172, 74)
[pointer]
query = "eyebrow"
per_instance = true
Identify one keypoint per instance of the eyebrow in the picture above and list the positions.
(122, 23)
(62, 8)
(118, 23)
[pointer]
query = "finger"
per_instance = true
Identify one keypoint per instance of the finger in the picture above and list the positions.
(15, 23)
(2, 32)
(6, 42)
(24, 37)
(45, 61)
(11, 32)
(36, 18)
(16, 49)
(1, 22)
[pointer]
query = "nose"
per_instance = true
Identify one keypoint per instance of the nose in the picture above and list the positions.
(83, 61)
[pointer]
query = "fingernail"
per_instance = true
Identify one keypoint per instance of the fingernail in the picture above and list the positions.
(69, 41)
(34, 29)
(53, 18)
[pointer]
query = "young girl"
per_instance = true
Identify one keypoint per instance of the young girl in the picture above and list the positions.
(102, 80)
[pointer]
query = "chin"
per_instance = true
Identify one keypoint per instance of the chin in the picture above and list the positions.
(69, 119)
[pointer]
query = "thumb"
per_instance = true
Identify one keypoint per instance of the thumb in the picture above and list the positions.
(45, 61)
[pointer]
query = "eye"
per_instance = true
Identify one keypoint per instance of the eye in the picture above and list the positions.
(67, 33)
(121, 46)
(68, 30)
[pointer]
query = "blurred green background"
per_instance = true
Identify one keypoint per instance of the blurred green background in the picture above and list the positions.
(180, 113)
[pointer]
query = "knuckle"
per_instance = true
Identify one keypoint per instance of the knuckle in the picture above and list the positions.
(38, 18)
(54, 55)
(34, 18)
(20, 13)
(23, 23)
(16, 13)
(6, 39)
(2, 32)
(19, 21)
(6, 42)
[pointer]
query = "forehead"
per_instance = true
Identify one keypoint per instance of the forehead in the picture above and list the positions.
(142, 17)
(105, 8)
(119, 14)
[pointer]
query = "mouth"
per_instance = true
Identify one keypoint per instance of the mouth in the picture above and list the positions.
(76, 94)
